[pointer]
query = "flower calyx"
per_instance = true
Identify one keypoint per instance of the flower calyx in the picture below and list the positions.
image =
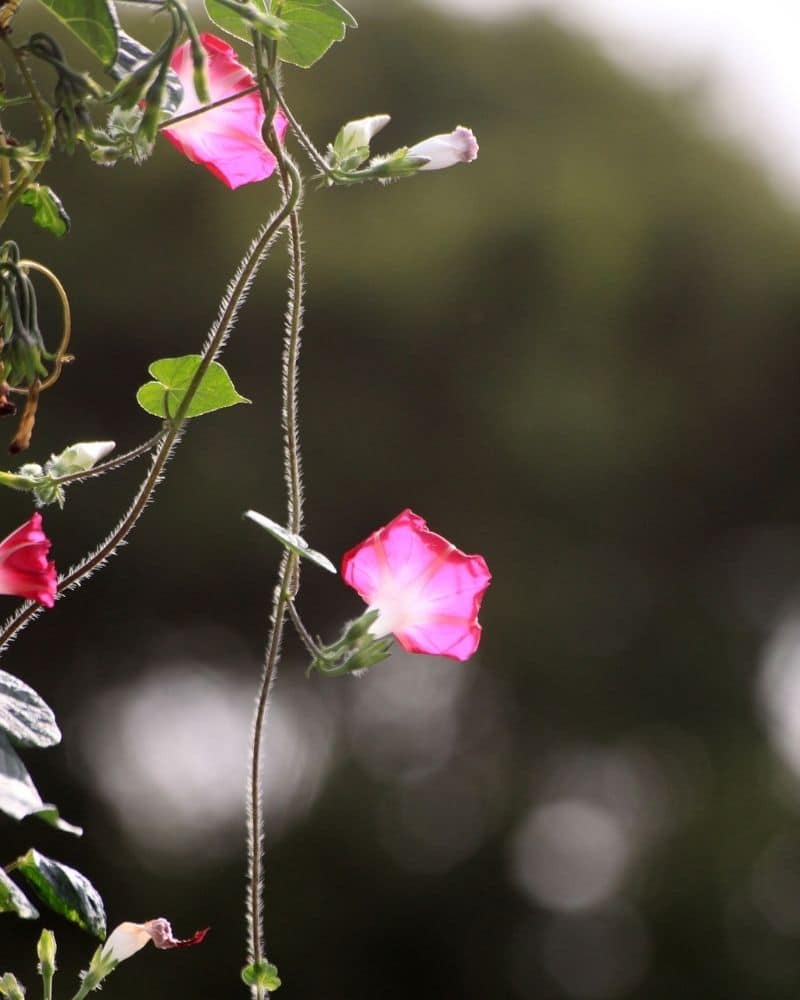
(355, 651)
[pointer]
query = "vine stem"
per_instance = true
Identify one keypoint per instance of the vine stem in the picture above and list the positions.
(48, 133)
(170, 122)
(232, 301)
(288, 572)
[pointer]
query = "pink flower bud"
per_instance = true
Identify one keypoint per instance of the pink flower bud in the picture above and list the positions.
(226, 140)
(129, 938)
(460, 146)
(24, 569)
(426, 591)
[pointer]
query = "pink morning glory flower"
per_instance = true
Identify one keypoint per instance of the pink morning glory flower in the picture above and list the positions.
(24, 569)
(425, 590)
(128, 938)
(460, 146)
(226, 140)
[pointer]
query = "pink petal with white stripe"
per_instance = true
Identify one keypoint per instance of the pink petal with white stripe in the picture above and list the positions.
(427, 592)
(226, 140)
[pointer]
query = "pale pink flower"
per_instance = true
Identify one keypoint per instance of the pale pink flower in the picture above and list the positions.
(128, 938)
(460, 146)
(24, 569)
(227, 140)
(427, 592)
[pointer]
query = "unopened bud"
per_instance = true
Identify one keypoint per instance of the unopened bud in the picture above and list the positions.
(46, 951)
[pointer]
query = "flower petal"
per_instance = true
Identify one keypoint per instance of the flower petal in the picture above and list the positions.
(425, 590)
(459, 146)
(24, 567)
(226, 140)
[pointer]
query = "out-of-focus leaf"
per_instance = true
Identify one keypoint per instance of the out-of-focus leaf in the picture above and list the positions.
(65, 891)
(14, 900)
(24, 716)
(18, 795)
(50, 815)
(174, 375)
(312, 27)
(93, 21)
(239, 25)
(48, 211)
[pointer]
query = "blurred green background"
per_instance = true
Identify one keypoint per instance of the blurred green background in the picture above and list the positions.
(577, 356)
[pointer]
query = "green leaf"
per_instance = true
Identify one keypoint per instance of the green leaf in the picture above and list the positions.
(263, 974)
(312, 27)
(174, 375)
(65, 891)
(19, 796)
(239, 25)
(24, 716)
(50, 815)
(14, 900)
(48, 212)
(290, 540)
(93, 21)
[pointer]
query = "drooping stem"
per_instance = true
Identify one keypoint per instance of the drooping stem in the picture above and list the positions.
(232, 301)
(288, 573)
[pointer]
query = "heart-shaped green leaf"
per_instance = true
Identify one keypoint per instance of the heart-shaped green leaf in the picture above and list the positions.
(65, 891)
(93, 21)
(163, 397)
(225, 16)
(24, 716)
(312, 27)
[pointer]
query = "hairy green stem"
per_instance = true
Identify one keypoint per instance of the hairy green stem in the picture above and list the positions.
(288, 573)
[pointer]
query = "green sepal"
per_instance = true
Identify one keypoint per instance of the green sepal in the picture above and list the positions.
(163, 397)
(48, 210)
(65, 891)
(262, 974)
(14, 900)
(230, 17)
(93, 21)
(290, 540)
(312, 27)
(24, 716)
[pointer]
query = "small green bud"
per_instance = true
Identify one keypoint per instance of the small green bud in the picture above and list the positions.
(11, 988)
(199, 73)
(46, 950)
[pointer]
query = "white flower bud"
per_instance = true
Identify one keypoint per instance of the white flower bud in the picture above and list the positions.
(78, 458)
(361, 132)
(460, 146)
(125, 941)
